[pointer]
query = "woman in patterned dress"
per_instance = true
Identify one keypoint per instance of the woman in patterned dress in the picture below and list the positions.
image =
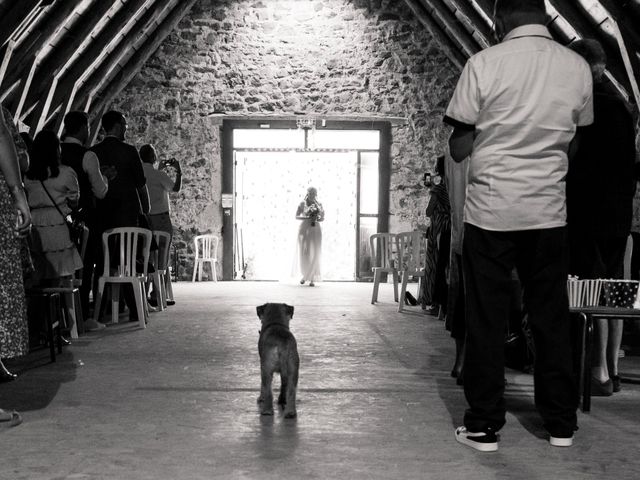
(438, 237)
(54, 255)
(15, 221)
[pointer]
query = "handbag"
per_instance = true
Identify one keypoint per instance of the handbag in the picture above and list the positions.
(73, 223)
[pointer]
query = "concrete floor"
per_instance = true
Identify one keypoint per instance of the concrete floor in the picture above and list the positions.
(375, 401)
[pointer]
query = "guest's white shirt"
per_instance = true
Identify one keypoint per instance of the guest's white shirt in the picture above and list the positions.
(524, 98)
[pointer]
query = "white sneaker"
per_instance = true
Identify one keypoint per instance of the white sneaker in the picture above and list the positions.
(561, 441)
(481, 441)
(91, 325)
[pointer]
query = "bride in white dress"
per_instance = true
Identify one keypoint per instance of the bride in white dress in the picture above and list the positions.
(309, 244)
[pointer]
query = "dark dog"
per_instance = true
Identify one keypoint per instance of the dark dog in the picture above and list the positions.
(278, 353)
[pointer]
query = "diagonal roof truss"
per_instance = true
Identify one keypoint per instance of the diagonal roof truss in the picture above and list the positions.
(61, 54)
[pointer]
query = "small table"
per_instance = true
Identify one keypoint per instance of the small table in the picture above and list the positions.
(588, 314)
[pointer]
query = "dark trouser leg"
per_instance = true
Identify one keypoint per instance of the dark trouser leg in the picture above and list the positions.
(543, 268)
(488, 260)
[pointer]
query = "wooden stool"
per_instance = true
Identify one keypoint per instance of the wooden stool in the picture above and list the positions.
(52, 317)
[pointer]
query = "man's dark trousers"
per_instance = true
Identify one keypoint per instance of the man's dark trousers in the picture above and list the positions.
(541, 260)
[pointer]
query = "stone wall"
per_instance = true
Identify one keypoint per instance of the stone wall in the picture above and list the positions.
(333, 57)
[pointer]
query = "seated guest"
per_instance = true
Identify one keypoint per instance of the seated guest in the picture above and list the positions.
(600, 188)
(52, 190)
(159, 185)
(93, 185)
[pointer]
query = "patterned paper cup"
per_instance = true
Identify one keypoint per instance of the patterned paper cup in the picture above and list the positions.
(619, 293)
(591, 292)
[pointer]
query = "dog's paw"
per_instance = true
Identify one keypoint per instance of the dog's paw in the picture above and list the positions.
(290, 414)
(266, 411)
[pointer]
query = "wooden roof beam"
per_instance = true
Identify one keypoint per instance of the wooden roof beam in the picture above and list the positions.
(576, 18)
(438, 9)
(135, 63)
(471, 16)
(14, 17)
(454, 54)
(53, 89)
(84, 92)
(26, 59)
(5, 57)
(69, 45)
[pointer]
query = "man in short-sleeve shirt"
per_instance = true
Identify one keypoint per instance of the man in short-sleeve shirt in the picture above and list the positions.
(515, 111)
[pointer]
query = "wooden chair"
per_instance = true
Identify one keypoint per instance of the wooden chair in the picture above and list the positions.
(382, 253)
(411, 254)
(161, 278)
(206, 251)
(128, 243)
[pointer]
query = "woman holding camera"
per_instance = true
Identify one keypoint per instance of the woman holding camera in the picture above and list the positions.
(309, 243)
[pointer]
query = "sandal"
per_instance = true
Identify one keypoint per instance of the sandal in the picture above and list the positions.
(10, 419)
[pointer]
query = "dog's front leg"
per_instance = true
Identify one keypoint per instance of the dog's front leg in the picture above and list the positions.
(266, 395)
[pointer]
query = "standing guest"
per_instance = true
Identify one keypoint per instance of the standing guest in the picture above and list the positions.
(515, 111)
(127, 198)
(438, 236)
(456, 179)
(52, 190)
(309, 245)
(93, 185)
(600, 189)
(159, 185)
(15, 222)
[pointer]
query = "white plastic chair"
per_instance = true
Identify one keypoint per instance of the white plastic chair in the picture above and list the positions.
(129, 242)
(206, 251)
(160, 278)
(412, 250)
(382, 246)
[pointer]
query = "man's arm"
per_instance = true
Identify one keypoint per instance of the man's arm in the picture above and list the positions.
(91, 166)
(461, 143)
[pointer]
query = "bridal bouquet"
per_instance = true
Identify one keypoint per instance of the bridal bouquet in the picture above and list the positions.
(313, 212)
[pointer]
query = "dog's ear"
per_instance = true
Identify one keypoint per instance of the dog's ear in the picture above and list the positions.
(260, 310)
(289, 310)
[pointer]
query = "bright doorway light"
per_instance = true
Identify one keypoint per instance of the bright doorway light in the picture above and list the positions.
(269, 188)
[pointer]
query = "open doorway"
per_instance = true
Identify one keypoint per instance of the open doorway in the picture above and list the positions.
(270, 185)
(273, 165)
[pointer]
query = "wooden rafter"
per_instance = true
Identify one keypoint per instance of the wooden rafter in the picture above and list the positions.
(575, 17)
(25, 57)
(454, 54)
(76, 35)
(57, 87)
(14, 17)
(111, 62)
(472, 17)
(5, 57)
(136, 62)
(438, 9)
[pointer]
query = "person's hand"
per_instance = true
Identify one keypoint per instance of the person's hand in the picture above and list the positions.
(23, 214)
(109, 172)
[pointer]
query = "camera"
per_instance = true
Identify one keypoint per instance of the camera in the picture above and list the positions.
(430, 179)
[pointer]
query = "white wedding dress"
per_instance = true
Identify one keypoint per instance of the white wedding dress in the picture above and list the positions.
(309, 246)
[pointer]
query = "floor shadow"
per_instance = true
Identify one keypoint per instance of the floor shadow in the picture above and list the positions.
(38, 380)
